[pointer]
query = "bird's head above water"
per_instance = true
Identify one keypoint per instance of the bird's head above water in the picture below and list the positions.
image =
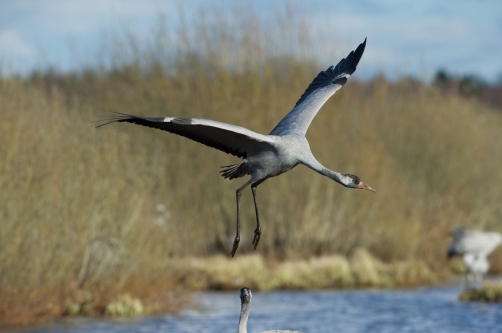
(245, 295)
(353, 181)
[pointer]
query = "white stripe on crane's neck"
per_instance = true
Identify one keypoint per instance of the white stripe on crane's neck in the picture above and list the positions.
(321, 169)
(336, 176)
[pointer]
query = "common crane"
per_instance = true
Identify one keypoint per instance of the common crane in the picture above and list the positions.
(246, 308)
(474, 247)
(265, 156)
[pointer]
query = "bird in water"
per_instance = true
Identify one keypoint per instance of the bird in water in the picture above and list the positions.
(246, 308)
(474, 247)
(265, 156)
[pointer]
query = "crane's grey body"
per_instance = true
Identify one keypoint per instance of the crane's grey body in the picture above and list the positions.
(285, 153)
(474, 247)
(246, 297)
(265, 156)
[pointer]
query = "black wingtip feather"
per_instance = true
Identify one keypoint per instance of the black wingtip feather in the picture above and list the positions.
(118, 117)
(334, 74)
(172, 127)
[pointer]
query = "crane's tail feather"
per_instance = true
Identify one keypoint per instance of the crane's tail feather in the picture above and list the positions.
(233, 171)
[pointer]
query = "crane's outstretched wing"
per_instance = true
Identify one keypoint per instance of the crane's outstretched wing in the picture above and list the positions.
(230, 139)
(323, 87)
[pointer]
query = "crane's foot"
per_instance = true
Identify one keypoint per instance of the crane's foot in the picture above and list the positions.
(235, 246)
(256, 239)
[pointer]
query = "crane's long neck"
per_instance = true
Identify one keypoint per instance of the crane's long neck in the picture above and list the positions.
(319, 168)
(243, 321)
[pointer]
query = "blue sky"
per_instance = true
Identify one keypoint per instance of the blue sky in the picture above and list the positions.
(404, 37)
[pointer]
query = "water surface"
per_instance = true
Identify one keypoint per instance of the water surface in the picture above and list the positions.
(420, 310)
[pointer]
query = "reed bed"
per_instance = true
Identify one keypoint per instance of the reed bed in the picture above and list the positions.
(491, 293)
(117, 209)
(360, 270)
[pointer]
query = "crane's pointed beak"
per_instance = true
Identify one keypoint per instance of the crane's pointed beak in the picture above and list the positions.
(363, 186)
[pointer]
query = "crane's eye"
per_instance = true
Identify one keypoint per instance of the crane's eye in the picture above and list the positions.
(355, 179)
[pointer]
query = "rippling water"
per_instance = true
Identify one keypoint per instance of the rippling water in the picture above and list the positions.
(421, 310)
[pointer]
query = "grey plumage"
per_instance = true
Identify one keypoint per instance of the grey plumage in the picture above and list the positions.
(265, 156)
(246, 297)
(323, 87)
(474, 247)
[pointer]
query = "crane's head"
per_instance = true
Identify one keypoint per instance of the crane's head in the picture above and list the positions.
(246, 295)
(457, 233)
(353, 181)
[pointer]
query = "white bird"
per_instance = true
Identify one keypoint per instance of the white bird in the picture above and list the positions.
(246, 308)
(265, 156)
(477, 266)
(474, 247)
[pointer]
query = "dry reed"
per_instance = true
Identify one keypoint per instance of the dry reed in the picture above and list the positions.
(489, 294)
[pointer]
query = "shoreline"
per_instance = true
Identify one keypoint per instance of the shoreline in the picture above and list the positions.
(188, 303)
(168, 289)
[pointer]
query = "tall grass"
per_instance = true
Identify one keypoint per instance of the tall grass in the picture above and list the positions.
(105, 209)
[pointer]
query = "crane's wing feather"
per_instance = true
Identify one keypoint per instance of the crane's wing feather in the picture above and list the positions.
(475, 242)
(323, 87)
(230, 139)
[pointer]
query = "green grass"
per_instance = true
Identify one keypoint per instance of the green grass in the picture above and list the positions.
(78, 205)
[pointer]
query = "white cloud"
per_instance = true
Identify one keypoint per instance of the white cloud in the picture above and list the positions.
(76, 16)
(13, 46)
(73, 17)
(416, 43)
(460, 37)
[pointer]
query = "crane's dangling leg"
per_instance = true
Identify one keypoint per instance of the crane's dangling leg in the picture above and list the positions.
(238, 233)
(468, 280)
(257, 231)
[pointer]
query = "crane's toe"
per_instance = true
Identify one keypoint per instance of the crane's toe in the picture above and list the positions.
(256, 239)
(235, 246)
